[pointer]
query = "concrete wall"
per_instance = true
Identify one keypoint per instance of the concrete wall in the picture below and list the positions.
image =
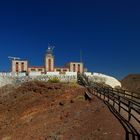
(52, 74)
(34, 73)
(17, 79)
(71, 73)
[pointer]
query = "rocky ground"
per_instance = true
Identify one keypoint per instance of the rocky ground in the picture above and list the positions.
(42, 111)
(131, 83)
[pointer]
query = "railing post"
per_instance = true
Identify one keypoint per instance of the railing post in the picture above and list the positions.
(119, 104)
(129, 111)
(113, 100)
(100, 94)
(104, 95)
(124, 93)
(132, 94)
(108, 96)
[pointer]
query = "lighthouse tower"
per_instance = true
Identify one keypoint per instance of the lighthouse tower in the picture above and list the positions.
(49, 60)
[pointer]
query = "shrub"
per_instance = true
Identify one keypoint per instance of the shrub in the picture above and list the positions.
(54, 80)
(73, 84)
(80, 98)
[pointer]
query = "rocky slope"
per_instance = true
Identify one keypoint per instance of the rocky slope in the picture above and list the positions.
(41, 111)
(131, 82)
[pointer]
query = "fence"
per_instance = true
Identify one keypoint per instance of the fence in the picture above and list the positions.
(126, 103)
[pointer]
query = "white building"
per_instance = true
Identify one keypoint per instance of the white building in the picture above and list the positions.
(49, 65)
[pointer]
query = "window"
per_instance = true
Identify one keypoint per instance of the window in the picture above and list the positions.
(32, 69)
(16, 66)
(22, 66)
(49, 62)
(74, 68)
(64, 70)
(79, 68)
(39, 69)
(58, 70)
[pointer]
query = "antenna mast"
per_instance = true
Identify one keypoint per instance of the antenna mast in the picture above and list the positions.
(81, 56)
(51, 47)
(13, 58)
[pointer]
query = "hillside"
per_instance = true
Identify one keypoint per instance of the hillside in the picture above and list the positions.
(131, 82)
(42, 111)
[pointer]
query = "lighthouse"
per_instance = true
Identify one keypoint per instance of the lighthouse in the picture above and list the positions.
(49, 60)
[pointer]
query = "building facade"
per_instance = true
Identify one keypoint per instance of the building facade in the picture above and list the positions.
(19, 66)
(75, 67)
(49, 65)
(36, 69)
(49, 60)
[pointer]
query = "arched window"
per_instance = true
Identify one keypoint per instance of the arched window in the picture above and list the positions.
(74, 68)
(49, 62)
(22, 66)
(16, 66)
(78, 68)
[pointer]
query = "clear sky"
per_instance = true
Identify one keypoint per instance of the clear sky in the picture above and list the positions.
(107, 32)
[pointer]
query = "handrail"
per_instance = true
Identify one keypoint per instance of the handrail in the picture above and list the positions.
(137, 93)
(123, 100)
(128, 105)
(129, 96)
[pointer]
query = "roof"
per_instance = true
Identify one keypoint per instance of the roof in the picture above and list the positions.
(74, 62)
(61, 68)
(37, 67)
(20, 60)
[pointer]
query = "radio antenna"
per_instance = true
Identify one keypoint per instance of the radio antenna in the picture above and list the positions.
(81, 56)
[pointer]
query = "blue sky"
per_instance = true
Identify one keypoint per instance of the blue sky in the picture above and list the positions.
(107, 32)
